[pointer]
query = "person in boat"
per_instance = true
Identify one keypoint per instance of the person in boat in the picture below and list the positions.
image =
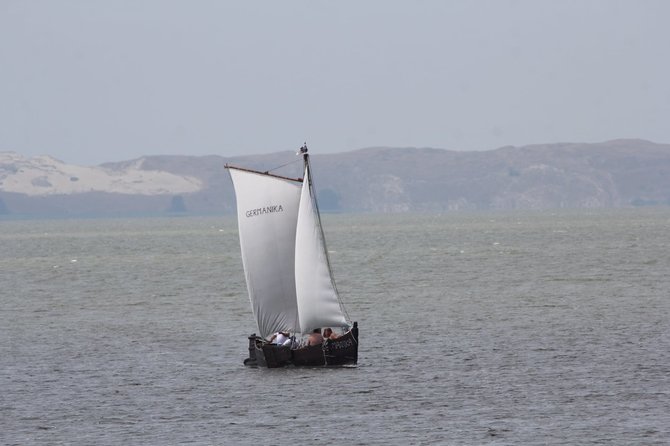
(329, 334)
(315, 338)
(281, 338)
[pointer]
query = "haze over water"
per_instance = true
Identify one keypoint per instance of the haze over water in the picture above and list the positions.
(483, 328)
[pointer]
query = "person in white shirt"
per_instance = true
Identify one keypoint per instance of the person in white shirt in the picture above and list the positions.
(280, 338)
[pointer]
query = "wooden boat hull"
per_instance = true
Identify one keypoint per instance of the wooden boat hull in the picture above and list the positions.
(333, 352)
(343, 350)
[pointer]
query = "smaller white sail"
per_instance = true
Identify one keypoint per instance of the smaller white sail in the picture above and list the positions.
(318, 302)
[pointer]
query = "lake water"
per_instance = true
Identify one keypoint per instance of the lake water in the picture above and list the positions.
(483, 328)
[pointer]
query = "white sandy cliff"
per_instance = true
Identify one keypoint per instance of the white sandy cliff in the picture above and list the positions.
(44, 175)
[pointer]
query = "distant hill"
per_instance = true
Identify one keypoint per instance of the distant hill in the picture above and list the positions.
(619, 173)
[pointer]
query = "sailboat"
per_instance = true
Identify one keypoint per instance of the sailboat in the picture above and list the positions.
(289, 279)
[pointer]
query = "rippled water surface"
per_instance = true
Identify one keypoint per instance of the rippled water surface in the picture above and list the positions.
(514, 328)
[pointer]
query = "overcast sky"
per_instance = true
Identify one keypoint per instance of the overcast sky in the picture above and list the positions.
(94, 81)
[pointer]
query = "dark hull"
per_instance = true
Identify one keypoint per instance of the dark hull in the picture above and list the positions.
(333, 352)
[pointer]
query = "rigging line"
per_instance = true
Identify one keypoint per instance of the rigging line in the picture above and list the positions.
(312, 190)
(283, 165)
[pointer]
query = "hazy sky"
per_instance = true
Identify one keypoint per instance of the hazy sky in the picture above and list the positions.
(94, 81)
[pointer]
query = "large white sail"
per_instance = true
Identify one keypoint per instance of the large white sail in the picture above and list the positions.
(267, 211)
(318, 302)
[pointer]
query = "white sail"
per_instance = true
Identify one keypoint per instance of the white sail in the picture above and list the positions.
(267, 211)
(318, 302)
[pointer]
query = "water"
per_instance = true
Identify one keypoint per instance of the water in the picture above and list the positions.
(488, 328)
